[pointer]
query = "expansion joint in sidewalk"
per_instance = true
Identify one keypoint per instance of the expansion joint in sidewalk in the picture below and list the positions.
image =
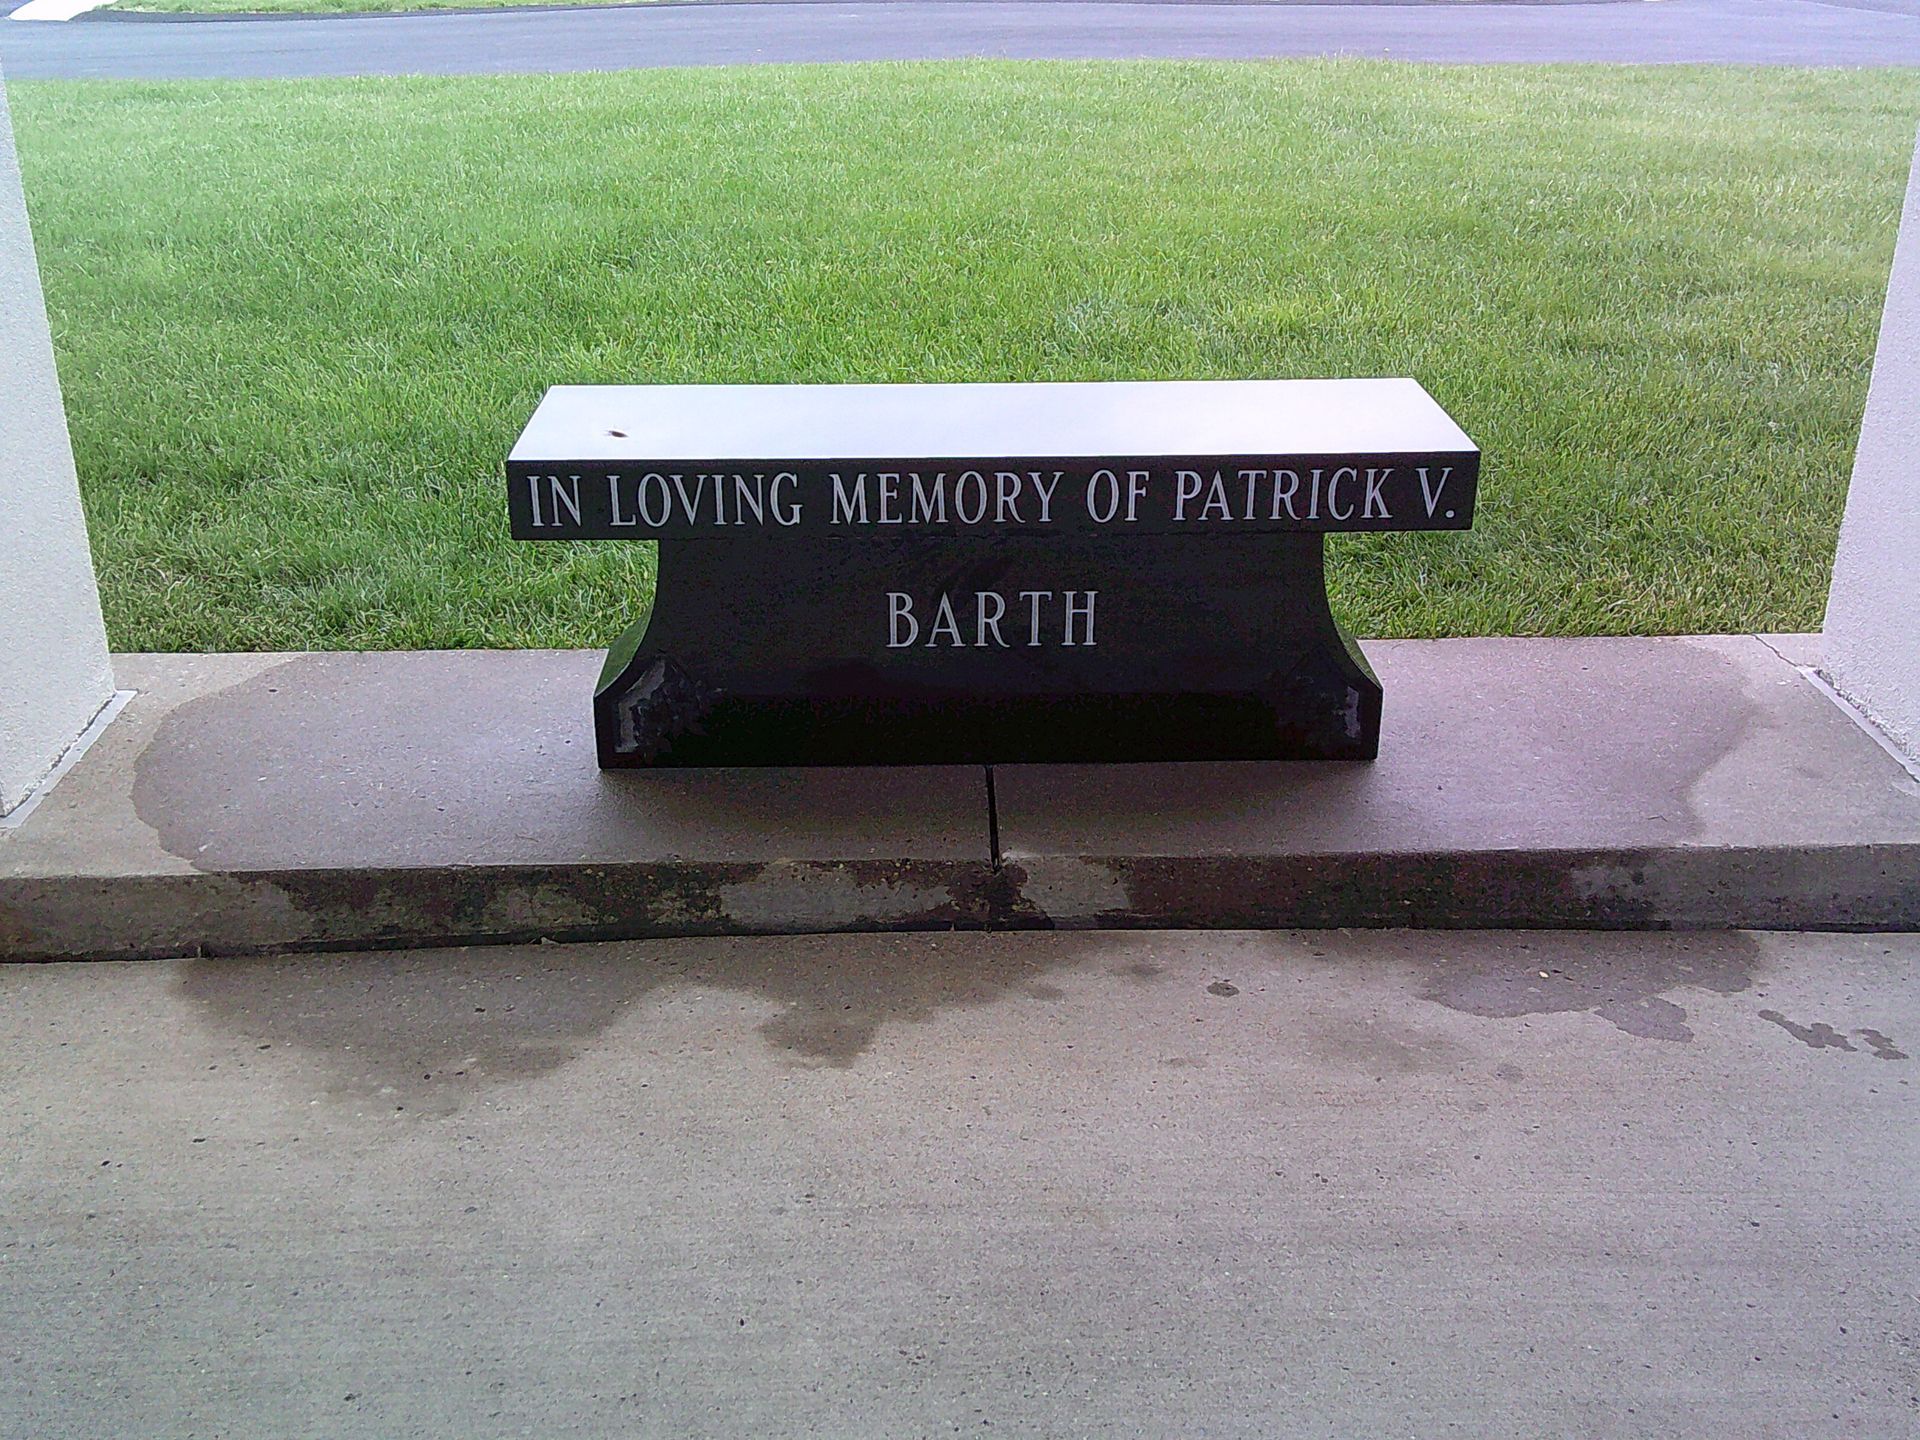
(993, 823)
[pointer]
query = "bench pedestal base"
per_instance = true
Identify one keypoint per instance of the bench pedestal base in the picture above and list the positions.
(1003, 651)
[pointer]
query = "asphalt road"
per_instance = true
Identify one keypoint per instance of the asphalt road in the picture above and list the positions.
(1310, 1184)
(1764, 32)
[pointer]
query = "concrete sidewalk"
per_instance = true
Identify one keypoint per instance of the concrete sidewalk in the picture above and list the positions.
(249, 803)
(1275, 1185)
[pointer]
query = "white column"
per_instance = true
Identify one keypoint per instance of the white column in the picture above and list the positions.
(1872, 642)
(54, 673)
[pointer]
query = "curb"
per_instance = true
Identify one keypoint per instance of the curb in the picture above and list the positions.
(1867, 888)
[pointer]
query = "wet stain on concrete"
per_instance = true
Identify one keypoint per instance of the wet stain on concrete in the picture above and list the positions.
(420, 1033)
(1882, 1047)
(1688, 708)
(354, 762)
(1817, 1036)
(837, 999)
(1380, 1047)
(1468, 889)
(996, 898)
(1143, 972)
(1627, 985)
(1651, 1017)
(1822, 1036)
(423, 1033)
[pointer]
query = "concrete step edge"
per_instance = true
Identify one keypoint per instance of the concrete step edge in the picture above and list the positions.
(151, 916)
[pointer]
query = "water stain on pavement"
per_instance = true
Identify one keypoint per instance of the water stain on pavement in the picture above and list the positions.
(1822, 1036)
(1882, 1047)
(1623, 980)
(1817, 1036)
(1143, 972)
(422, 1032)
(425, 1031)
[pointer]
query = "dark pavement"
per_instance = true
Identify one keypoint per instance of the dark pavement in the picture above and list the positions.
(1757, 32)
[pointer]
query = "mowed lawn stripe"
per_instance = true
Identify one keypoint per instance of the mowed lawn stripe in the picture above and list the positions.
(300, 323)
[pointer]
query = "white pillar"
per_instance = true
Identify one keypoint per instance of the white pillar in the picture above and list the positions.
(1872, 643)
(54, 673)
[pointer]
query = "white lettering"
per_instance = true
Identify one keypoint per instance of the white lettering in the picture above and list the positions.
(900, 608)
(889, 498)
(690, 507)
(960, 498)
(791, 516)
(613, 504)
(984, 622)
(1333, 492)
(1033, 634)
(1251, 476)
(1188, 483)
(1376, 503)
(1216, 500)
(1431, 494)
(1008, 501)
(569, 496)
(929, 504)
(745, 495)
(945, 620)
(1283, 494)
(1112, 482)
(1046, 494)
(849, 506)
(989, 611)
(1084, 612)
(653, 521)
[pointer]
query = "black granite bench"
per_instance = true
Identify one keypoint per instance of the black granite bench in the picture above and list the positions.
(918, 574)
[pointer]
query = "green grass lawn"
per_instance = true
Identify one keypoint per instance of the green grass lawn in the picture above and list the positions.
(300, 323)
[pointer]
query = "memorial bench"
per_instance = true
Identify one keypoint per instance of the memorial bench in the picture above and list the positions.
(987, 573)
